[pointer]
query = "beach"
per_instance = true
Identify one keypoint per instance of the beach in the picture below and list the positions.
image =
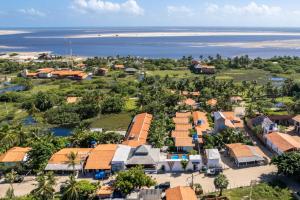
(11, 32)
(178, 34)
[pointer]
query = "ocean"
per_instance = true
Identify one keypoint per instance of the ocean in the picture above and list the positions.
(168, 42)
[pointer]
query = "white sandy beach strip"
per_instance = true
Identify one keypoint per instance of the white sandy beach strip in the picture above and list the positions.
(180, 34)
(288, 44)
(11, 32)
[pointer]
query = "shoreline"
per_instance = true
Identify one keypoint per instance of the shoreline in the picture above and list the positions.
(12, 32)
(173, 34)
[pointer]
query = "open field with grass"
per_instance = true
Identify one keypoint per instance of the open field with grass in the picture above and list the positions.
(113, 122)
(260, 192)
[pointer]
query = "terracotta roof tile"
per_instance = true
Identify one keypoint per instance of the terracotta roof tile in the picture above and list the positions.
(181, 120)
(139, 128)
(15, 154)
(283, 141)
(183, 114)
(61, 157)
(204, 125)
(297, 118)
(180, 193)
(100, 157)
(212, 102)
(184, 142)
(176, 134)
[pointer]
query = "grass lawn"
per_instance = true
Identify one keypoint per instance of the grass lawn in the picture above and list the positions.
(113, 122)
(174, 73)
(239, 75)
(261, 191)
(285, 100)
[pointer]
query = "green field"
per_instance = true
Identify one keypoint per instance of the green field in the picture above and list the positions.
(260, 192)
(113, 122)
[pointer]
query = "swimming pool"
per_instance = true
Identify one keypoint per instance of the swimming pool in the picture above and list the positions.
(175, 156)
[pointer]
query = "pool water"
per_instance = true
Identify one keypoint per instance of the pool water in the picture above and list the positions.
(174, 157)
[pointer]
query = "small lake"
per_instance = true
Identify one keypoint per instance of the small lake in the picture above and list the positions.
(57, 131)
(60, 131)
(15, 88)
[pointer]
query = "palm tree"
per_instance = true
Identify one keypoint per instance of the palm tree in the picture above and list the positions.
(221, 182)
(70, 191)
(45, 190)
(184, 164)
(10, 178)
(72, 160)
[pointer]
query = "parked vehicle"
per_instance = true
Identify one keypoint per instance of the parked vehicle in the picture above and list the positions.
(297, 195)
(163, 186)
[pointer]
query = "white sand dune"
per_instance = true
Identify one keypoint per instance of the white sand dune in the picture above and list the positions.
(179, 34)
(290, 44)
(11, 32)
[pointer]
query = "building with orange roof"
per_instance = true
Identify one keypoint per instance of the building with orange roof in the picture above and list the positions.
(138, 130)
(118, 67)
(71, 100)
(190, 102)
(296, 120)
(181, 193)
(181, 120)
(183, 114)
(60, 73)
(183, 127)
(281, 142)
(102, 71)
(225, 120)
(100, 157)
(105, 192)
(212, 102)
(236, 99)
(60, 160)
(201, 123)
(176, 134)
(244, 155)
(184, 144)
(14, 156)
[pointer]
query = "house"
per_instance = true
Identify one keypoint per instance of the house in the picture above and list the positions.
(14, 156)
(201, 123)
(183, 114)
(212, 102)
(102, 71)
(72, 100)
(105, 192)
(45, 72)
(184, 144)
(137, 133)
(172, 162)
(181, 120)
(181, 193)
(130, 70)
(213, 158)
(244, 155)
(121, 155)
(204, 69)
(60, 161)
(296, 120)
(118, 67)
(281, 142)
(236, 99)
(265, 123)
(190, 102)
(225, 120)
(145, 156)
(190, 94)
(183, 127)
(100, 158)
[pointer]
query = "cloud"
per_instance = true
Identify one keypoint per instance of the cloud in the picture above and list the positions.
(32, 12)
(251, 9)
(182, 10)
(129, 6)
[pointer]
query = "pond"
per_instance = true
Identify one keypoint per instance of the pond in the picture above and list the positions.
(61, 131)
(29, 121)
(15, 88)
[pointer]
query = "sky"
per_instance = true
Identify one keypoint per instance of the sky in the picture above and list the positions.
(98, 13)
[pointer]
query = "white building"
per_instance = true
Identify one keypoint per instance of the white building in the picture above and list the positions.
(213, 158)
(121, 155)
(173, 163)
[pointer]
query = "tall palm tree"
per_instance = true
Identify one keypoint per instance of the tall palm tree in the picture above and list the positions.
(10, 178)
(45, 186)
(70, 191)
(72, 160)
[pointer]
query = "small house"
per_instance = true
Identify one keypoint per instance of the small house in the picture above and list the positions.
(296, 120)
(281, 142)
(213, 158)
(102, 71)
(131, 70)
(204, 69)
(118, 67)
(121, 155)
(225, 120)
(14, 156)
(181, 193)
(244, 155)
